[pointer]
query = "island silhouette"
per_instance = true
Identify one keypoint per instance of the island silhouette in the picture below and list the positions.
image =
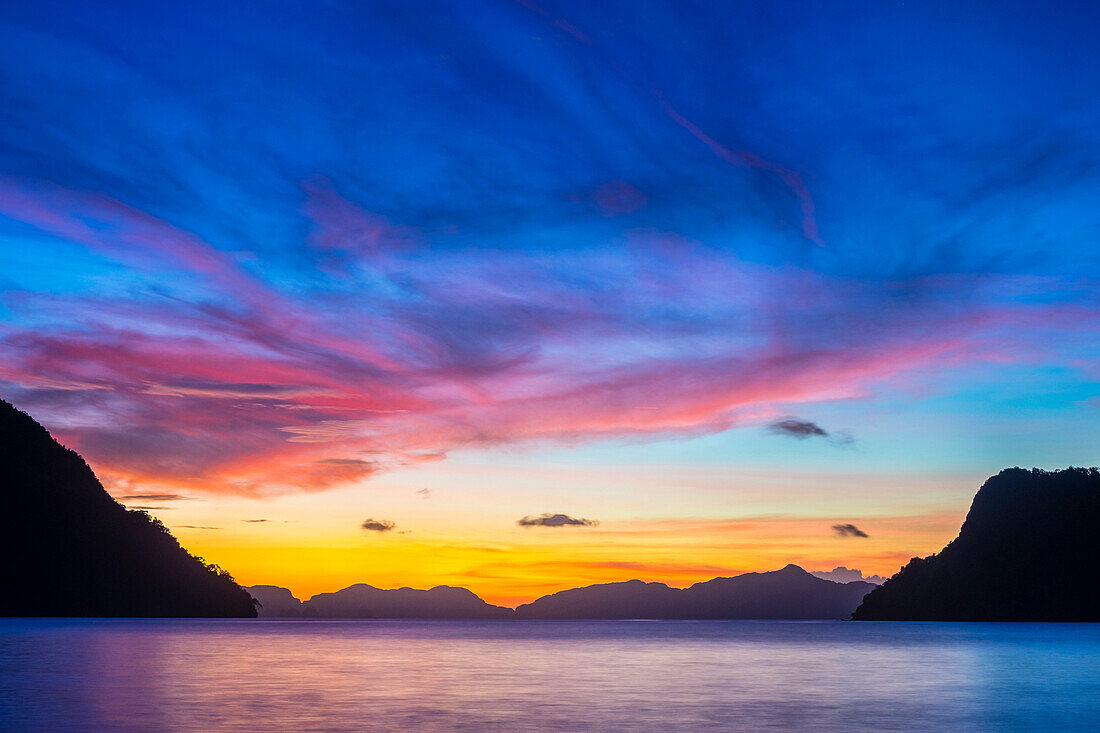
(1026, 552)
(790, 593)
(366, 601)
(71, 550)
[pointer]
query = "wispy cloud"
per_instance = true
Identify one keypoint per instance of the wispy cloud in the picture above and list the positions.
(153, 497)
(299, 308)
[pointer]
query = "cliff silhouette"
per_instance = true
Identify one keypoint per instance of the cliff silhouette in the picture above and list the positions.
(1026, 552)
(69, 549)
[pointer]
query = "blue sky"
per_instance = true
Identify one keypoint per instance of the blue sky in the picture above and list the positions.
(273, 249)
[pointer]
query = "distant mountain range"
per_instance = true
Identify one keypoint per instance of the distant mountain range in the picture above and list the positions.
(69, 549)
(1027, 552)
(790, 593)
(365, 601)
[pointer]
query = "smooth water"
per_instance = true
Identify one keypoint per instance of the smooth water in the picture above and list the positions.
(268, 675)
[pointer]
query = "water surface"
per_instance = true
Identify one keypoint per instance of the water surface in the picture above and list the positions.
(123, 675)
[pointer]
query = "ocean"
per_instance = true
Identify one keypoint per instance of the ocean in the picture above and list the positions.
(352, 675)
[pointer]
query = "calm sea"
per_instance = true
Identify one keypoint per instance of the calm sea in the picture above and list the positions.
(265, 675)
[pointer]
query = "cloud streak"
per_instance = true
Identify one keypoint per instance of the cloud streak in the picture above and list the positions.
(222, 399)
(153, 497)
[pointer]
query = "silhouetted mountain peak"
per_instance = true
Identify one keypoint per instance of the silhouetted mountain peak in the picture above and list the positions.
(454, 590)
(363, 588)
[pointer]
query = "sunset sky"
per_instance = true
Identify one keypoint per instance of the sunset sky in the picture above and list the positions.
(341, 292)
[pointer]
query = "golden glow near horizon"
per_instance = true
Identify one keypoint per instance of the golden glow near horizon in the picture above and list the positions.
(519, 571)
(313, 543)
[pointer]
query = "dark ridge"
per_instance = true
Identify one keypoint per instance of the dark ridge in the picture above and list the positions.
(1026, 552)
(790, 593)
(365, 601)
(71, 550)
(632, 599)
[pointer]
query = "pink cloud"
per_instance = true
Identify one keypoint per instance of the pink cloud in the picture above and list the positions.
(245, 388)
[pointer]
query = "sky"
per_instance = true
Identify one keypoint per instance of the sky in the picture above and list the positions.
(374, 292)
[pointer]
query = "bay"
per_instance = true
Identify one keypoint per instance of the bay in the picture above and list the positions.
(344, 675)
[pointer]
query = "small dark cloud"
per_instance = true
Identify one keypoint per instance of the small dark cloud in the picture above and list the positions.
(253, 521)
(796, 427)
(849, 530)
(555, 520)
(424, 493)
(153, 497)
(378, 525)
(194, 526)
(150, 508)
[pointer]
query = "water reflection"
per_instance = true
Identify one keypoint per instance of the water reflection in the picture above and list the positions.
(426, 675)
